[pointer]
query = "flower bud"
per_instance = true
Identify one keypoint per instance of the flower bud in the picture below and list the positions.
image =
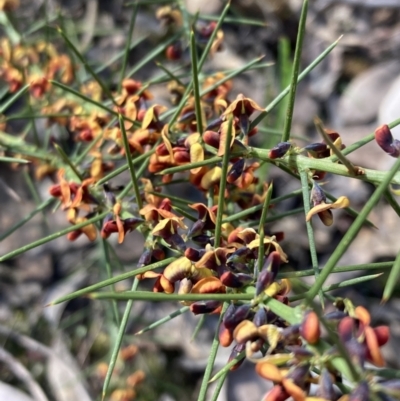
(145, 258)
(310, 329)
(203, 307)
(317, 150)
(225, 336)
(277, 393)
(174, 51)
(279, 150)
(261, 317)
(194, 254)
(212, 138)
(235, 315)
(196, 229)
(236, 350)
(268, 272)
(384, 139)
(326, 389)
(299, 374)
(360, 393)
(238, 280)
(73, 235)
(236, 171)
(382, 334)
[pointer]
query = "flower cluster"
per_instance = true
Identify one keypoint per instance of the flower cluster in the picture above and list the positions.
(294, 359)
(219, 244)
(125, 386)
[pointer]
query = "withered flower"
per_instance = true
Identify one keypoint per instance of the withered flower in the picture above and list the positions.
(243, 108)
(323, 209)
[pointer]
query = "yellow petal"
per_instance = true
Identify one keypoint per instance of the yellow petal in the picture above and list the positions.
(318, 209)
(178, 269)
(271, 334)
(223, 137)
(211, 178)
(341, 203)
(196, 155)
(167, 143)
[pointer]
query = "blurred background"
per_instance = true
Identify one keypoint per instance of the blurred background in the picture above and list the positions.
(60, 353)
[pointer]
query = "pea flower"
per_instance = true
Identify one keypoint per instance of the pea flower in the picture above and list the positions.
(323, 209)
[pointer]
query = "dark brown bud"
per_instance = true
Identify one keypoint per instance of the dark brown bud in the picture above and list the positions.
(261, 317)
(299, 374)
(279, 150)
(202, 307)
(176, 241)
(181, 156)
(228, 319)
(237, 280)
(268, 272)
(236, 171)
(242, 255)
(214, 124)
(203, 240)
(73, 235)
(318, 150)
(234, 315)
(55, 190)
(326, 389)
(158, 254)
(194, 254)
(145, 258)
(131, 223)
(212, 138)
(236, 350)
(385, 140)
(196, 229)
(174, 51)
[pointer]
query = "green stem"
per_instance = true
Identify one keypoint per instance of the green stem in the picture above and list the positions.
(352, 232)
(295, 73)
(211, 358)
(118, 342)
(222, 185)
(310, 231)
(130, 163)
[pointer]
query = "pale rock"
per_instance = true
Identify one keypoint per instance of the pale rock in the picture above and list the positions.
(389, 109)
(360, 102)
(203, 6)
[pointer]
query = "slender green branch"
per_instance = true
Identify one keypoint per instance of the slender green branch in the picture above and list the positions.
(130, 163)
(211, 357)
(295, 73)
(222, 185)
(310, 231)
